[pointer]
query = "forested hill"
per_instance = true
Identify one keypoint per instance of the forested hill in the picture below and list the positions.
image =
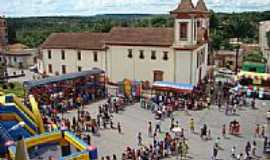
(32, 31)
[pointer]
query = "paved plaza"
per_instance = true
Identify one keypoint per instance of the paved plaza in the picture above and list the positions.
(134, 119)
(28, 75)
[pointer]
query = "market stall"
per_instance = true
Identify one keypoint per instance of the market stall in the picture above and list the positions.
(253, 84)
(129, 88)
(68, 90)
(174, 95)
(166, 86)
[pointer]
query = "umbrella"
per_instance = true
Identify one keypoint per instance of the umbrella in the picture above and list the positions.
(9, 143)
(177, 129)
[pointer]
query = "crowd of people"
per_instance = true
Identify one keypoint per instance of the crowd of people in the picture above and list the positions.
(163, 105)
(84, 122)
(61, 96)
(166, 148)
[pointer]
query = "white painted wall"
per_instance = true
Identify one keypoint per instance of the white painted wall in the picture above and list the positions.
(203, 66)
(183, 66)
(71, 60)
(40, 66)
(190, 40)
(121, 66)
(15, 61)
(263, 29)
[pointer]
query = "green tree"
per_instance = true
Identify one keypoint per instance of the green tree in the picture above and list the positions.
(159, 22)
(238, 27)
(255, 56)
(214, 20)
(11, 33)
(216, 41)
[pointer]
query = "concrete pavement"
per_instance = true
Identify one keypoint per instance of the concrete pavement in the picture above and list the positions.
(134, 119)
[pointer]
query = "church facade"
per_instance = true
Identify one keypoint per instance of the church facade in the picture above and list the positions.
(178, 54)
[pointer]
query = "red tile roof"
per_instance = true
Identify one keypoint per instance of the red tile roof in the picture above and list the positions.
(184, 7)
(201, 6)
(84, 40)
(141, 36)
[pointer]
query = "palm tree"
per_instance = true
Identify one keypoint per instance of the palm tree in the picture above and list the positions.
(239, 28)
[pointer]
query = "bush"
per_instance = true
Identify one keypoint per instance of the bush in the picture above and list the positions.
(255, 56)
(5, 86)
(11, 85)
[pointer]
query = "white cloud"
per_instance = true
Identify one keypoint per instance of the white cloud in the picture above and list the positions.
(91, 7)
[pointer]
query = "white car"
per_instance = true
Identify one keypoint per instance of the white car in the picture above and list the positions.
(225, 71)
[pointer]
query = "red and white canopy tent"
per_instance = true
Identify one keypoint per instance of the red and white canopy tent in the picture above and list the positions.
(172, 86)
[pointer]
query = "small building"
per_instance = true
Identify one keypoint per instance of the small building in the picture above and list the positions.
(18, 56)
(263, 29)
(249, 47)
(227, 58)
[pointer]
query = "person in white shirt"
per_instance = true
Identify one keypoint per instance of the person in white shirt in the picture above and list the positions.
(164, 111)
(254, 148)
(240, 156)
(233, 152)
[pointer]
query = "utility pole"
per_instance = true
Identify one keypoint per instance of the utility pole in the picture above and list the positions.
(237, 50)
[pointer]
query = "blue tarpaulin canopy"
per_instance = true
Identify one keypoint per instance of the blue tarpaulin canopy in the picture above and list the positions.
(173, 86)
(64, 77)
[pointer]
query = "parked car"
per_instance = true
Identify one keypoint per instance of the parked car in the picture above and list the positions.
(225, 71)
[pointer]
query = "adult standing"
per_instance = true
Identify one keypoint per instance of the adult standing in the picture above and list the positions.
(248, 149)
(150, 129)
(119, 128)
(172, 124)
(192, 125)
(139, 137)
(254, 148)
(158, 126)
(224, 131)
(215, 152)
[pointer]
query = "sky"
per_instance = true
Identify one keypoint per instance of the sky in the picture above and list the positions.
(25, 8)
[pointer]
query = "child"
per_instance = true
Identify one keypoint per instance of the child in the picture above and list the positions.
(233, 152)
(263, 132)
(224, 131)
(257, 131)
(119, 128)
(254, 148)
(209, 134)
(240, 156)
(192, 126)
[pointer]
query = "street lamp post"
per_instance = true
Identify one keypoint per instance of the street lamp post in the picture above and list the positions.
(237, 58)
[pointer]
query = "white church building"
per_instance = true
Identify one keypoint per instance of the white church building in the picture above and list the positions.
(263, 29)
(178, 54)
